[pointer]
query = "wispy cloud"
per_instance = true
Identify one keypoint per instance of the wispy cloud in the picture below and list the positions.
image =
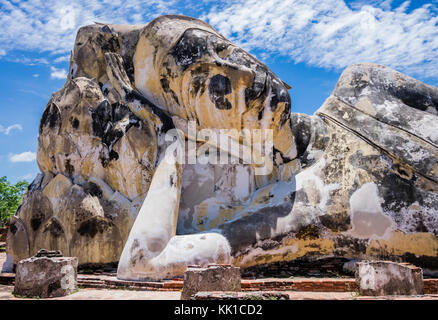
(57, 73)
(28, 176)
(8, 130)
(27, 156)
(330, 34)
(51, 25)
(62, 59)
(27, 61)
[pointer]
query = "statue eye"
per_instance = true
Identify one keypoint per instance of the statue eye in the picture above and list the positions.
(218, 88)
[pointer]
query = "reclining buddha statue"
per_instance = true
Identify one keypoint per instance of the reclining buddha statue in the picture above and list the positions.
(169, 146)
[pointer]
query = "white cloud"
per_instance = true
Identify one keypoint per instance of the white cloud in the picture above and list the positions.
(26, 60)
(384, 4)
(330, 34)
(51, 25)
(28, 176)
(27, 156)
(35, 75)
(10, 128)
(57, 73)
(62, 59)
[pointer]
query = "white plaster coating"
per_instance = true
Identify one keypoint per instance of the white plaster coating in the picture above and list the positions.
(153, 250)
(367, 217)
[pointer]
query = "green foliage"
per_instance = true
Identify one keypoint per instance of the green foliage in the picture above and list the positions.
(10, 197)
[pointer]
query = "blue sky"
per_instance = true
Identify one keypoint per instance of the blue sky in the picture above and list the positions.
(306, 42)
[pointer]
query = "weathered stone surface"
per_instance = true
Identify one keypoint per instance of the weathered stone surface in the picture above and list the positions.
(212, 278)
(356, 180)
(381, 278)
(255, 295)
(46, 277)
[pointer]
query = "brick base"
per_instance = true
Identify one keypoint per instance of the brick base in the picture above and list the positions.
(309, 284)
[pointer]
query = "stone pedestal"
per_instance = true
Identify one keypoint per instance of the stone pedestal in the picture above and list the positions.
(215, 277)
(381, 278)
(46, 277)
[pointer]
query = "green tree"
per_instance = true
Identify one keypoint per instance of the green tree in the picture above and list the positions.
(10, 197)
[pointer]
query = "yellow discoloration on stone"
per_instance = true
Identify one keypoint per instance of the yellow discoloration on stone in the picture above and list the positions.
(224, 215)
(366, 106)
(127, 175)
(289, 250)
(401, 169)
(284, 140)
(288, 170)
(434, 170)
(426, 184)
(263, 196)
(363, 177)
(144, 74)
(420, 244)
(57, 187)
(201, 213)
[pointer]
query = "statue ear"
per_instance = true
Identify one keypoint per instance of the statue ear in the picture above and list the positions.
(286, 85)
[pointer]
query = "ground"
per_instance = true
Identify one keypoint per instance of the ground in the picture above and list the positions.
(118, 294)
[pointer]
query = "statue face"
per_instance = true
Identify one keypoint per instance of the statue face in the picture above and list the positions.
(219, 84)
(201, 76)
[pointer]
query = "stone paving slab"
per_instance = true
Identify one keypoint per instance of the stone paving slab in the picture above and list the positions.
(96, 294)
(109, 294)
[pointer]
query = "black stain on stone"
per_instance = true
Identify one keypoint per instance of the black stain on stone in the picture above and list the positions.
(258, 86)
(119, 111)
(421, 227)
(133, 95)
(199, 77)
(308, 232)
(258, 226)
(13, 228)
(218, 88)
(301, 129)
(279, 94)
(55, 228)
(108, 44)
(189, 48)
(415, 96)
(92, 226)
(165, 84)
(397, 167)
(36, 220)
(339, 221)
(105, 118)
(172, 181)
(101, 116)
(51, 117)
(53, 287)
(113, 155)
(346, 245)
(92, 189)
(399, 193)
(74, 123)
(69, 168)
